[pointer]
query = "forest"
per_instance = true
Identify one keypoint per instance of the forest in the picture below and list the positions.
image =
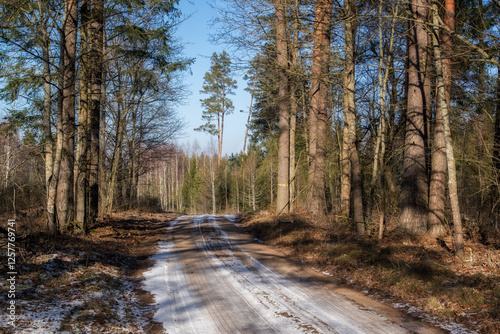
(371, 154)
(373, 113)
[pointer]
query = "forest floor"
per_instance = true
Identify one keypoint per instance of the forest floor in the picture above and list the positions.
(419, 275)
(84, 284)
(94, 283)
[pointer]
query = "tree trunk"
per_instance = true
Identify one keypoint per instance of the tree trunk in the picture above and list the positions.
(102, 177)
(414, 186)
(437, 186)
(52, 221)
(292, 169)
(496, 145)
(117, 153)
(249, 116)
(65, 190)
(452, 173)
(97, 55)
(350, 148)
(212, 183)
(294, 104)
(52, 224)
(47, 106)
(345, 190)
(282, 202)
(379, 154)
(82, 149)
(319, 107)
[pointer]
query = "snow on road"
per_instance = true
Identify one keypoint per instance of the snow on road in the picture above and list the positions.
(204, 282)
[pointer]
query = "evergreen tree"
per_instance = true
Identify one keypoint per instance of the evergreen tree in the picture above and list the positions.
(218, 84)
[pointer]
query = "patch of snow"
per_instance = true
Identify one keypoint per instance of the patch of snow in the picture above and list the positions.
(174, 222)
(452, 327)
(231, 218)
(178, 307)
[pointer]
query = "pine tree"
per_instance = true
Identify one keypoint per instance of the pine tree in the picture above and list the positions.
(218, 84)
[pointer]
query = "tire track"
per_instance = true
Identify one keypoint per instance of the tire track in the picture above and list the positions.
(289, 306)
(205, 282)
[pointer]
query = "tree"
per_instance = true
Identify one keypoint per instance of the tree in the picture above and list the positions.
(219, 84)
(414, 182)
(282, 201)
(351, 168)
(318, 114)
(452, 172)
(96, 83)
(65, 194)
(437, 182)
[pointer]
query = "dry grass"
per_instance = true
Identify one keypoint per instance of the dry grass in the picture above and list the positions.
(401, 268)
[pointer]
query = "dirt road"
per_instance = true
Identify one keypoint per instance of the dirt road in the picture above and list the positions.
(210, 277)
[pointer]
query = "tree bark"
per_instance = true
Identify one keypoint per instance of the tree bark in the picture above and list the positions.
(65, 190)
(97, 56)
(437, 186)
(350, 150)
(319, 107)
(496, 145)
(47, 106)
(452, 173)
(53, 226)
(294, 103)
(282, 201)
(414, 185)
(82, 150)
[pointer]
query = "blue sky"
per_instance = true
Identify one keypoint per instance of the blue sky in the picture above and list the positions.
(194, 34)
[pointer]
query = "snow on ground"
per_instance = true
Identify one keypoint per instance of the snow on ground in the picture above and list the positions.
(56, 293)
(178, 308)
(451, 327)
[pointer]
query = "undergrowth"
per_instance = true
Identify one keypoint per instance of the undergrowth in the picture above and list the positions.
(418, 271)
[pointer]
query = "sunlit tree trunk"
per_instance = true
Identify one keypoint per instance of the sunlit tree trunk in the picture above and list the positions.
(414, 185)
(378, 174)
(282, 201)
(65, 190)
(47, 108)
(318, 117)
(452, 173)
(294, 103)
(350, 151)
(437, 182)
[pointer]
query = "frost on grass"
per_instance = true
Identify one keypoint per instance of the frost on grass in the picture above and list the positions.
(74, 293)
